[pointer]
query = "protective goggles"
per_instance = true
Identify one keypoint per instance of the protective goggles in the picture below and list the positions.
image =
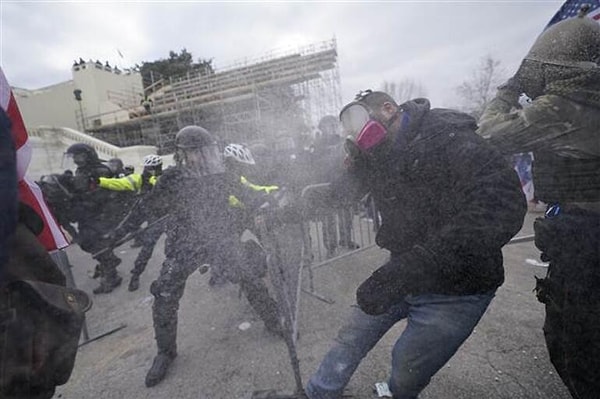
(365, 131)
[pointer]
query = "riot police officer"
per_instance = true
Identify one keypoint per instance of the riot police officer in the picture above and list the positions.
(92, 209)
(200, 229)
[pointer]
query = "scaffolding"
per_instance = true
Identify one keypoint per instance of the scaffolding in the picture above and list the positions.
(281, 94)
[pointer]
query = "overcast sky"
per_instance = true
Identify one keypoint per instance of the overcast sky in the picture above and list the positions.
(435, 43)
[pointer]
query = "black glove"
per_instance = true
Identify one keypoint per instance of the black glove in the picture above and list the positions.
(377, 294)
(413, 272)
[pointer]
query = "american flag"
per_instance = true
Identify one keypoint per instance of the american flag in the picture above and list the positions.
(29, 192)
(571, 8)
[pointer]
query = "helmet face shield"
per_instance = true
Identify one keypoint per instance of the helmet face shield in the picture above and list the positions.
(213, 159)
(73, 161)
(207, 160)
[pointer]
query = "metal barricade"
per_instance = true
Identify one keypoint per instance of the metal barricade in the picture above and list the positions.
(333, 234)
(296, 244)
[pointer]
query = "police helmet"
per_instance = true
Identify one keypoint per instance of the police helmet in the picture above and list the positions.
(85, 150)
(193, 137)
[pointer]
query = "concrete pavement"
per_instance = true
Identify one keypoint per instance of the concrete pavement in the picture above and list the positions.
(504, 358)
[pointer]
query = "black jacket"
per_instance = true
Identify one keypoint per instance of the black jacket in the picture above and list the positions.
(199, 215)
(97, 207)
(449, 202)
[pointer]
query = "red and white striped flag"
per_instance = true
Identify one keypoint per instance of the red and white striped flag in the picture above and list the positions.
(30, 193)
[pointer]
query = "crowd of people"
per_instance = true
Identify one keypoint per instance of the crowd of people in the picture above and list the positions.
(445, 262)
(202, 204)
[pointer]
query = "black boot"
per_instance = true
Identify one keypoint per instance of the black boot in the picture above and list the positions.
(159, 368)
(110, 279)
(108, 285)
(134, 283)
(96, 273)
(164, 315)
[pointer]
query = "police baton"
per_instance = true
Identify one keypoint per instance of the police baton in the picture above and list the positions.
(129, 237)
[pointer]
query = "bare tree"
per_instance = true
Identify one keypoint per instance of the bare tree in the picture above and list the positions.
(405, 90)
(477, 92)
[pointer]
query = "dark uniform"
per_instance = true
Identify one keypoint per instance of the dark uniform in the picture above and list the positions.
(141, 185)
(94, 213)
(561, 75)
(201, 228)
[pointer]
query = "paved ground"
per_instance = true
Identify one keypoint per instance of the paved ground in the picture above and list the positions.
(504, 358)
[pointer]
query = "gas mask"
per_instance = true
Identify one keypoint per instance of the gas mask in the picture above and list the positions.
(364, 129)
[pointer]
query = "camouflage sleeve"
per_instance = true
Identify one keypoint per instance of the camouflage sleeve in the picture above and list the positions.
(549, 123)
(501, 109)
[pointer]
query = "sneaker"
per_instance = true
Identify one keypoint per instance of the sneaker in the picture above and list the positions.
(107, 286)
(159, 368)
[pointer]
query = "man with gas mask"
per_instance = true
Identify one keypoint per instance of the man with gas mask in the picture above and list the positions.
(560, 126)
(200, 229)
(448, 203)
(94, 211)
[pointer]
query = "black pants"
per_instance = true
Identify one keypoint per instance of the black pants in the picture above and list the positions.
(148, 238)
(571, 294)
(169, 287)
(91, 240)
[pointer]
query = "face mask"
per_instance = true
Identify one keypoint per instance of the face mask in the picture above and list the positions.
(364, 130)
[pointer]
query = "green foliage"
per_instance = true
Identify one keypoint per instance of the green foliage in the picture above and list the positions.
(178, 64)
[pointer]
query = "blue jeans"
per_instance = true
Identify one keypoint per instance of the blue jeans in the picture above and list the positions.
(437, 326)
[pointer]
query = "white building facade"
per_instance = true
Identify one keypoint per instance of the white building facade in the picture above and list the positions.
(107, 94)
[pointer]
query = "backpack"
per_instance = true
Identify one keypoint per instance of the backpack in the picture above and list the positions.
(40, 318)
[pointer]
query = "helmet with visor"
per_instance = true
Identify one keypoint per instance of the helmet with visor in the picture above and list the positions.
(197, 150)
